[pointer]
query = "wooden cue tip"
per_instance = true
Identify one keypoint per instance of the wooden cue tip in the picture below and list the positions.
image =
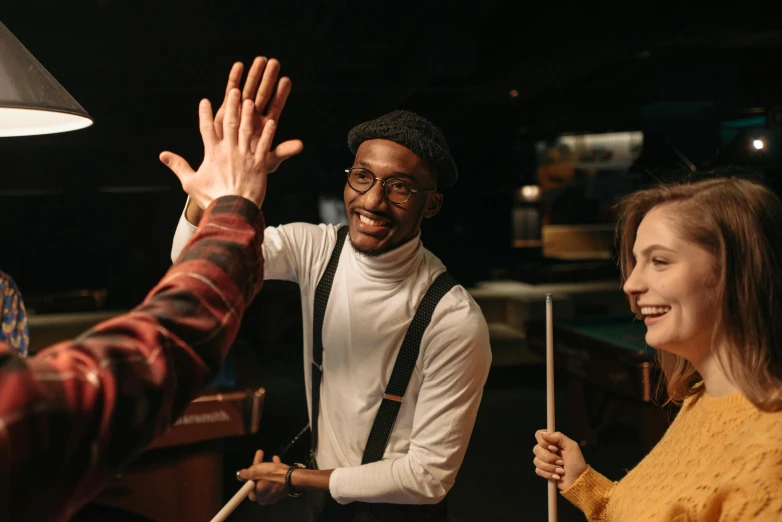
(548, 297)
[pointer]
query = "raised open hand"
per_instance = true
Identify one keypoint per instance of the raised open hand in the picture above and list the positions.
(230, 167)
(268, 103)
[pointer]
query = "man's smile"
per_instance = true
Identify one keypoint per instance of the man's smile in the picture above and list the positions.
(371, 224)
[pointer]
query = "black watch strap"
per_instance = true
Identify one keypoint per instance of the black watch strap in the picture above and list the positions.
(291, 492)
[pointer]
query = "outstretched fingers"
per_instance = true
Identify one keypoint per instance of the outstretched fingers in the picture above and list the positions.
(207, 125)
(234, 78)
(231, 120)
(288, 149)
(280, 97)
(180, 167)
(254, 76)
(265, 142)
(246, 126)
(268, 83)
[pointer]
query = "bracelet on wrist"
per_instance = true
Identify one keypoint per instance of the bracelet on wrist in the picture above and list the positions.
(291, 492)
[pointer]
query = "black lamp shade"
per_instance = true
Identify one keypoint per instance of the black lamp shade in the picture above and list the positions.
(31, 100)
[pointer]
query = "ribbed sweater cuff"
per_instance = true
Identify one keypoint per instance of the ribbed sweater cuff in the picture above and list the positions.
(590, 493)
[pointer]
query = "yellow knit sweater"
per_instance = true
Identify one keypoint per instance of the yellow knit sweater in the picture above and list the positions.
(720, 460)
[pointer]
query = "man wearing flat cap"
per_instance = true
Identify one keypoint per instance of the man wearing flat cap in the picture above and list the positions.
(396, 352)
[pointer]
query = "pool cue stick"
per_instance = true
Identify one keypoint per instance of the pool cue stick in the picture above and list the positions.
(284, 449)
(552, 485)
(250, 485)
(234, 502)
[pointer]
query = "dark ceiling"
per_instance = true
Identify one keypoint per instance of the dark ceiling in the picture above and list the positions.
(140, 67)
(357, 59)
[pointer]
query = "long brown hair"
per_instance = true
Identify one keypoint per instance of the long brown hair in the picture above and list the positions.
(740, 222)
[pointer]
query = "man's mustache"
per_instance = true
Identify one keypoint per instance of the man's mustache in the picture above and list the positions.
(378, 215)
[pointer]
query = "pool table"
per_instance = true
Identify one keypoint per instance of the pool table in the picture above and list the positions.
(611, 376)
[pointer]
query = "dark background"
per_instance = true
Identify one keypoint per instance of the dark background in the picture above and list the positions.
(95, 209)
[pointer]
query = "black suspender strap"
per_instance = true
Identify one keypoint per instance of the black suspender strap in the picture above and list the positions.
(403, 369)
(321, 301)
(405, 360)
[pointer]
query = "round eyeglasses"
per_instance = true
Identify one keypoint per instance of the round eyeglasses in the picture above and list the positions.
(396, 191)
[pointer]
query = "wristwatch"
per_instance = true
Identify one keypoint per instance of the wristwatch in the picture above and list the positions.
(292, 493)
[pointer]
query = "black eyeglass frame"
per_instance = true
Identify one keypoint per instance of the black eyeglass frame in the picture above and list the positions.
(383, 182)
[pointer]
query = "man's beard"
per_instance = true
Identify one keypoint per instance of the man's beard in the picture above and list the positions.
(378, 252)
(370, 253)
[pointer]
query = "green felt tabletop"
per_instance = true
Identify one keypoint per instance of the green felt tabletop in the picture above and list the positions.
(624, 332)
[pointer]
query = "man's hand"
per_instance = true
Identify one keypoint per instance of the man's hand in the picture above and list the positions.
(268, 104)
(269, 479)
(230, 166)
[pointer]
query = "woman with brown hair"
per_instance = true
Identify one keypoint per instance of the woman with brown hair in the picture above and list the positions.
(702, 266)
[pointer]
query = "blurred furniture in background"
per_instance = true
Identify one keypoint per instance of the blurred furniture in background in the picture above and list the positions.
(611, 376)
(509, 305)
(587, 241)
(180, 477)
(601, 355)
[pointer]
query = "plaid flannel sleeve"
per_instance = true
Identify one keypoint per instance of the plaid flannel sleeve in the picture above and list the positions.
(74, 414)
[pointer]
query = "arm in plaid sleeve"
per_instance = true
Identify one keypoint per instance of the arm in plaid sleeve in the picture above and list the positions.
(74, 414)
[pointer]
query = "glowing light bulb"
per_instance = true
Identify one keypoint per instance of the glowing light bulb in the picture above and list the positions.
(530, 193)
(758, 144)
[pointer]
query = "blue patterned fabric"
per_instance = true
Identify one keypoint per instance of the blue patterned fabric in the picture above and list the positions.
(14, 318)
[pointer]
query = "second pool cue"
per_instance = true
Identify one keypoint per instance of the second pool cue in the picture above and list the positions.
(234, 502)
(552, 485)
(250, 485)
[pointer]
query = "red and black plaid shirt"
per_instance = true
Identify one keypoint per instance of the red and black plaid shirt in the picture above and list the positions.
(74, 414)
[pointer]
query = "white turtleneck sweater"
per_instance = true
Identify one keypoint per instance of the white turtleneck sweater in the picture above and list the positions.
(372, 302)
